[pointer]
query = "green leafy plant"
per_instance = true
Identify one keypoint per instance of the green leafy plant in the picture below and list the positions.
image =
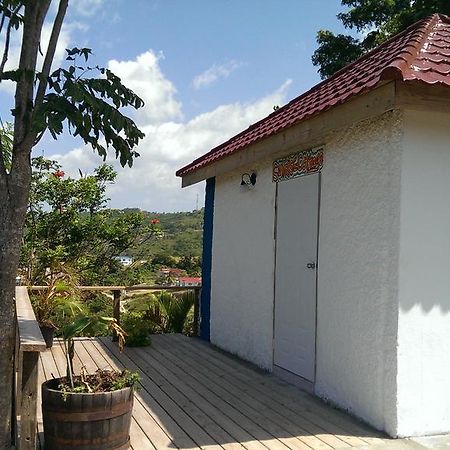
(86, 325)
(98, 303)
(175, 310)
(6, 144)
(60, 302)
(170, 313)
(63, 294)
(70, 97)
(100, 381)
(138, 329)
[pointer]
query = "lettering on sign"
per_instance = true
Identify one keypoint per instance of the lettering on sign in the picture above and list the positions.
(297, 165)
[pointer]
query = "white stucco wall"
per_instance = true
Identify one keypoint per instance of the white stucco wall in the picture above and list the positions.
(243, 266)
(424, 282)
(383, 311)
(358, 266)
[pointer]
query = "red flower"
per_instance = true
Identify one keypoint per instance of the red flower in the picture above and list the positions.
(59, 173)
(155, 221)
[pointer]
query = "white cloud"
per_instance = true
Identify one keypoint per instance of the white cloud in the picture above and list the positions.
(168, 145)
(116, 18)
(214, 73)
(145, 78)
(87, 8)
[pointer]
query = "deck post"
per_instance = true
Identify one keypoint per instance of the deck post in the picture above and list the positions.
(208, 223)
(28, 422)
(116, 310)
(29, 343)
(17, 380)
(195, 327)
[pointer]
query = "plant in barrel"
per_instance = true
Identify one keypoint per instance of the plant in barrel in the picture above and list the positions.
(89, 411)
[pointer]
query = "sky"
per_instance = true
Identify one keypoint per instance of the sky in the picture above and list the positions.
(206, 70)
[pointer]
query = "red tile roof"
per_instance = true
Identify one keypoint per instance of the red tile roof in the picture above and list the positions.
(419, 53)
(191, 280)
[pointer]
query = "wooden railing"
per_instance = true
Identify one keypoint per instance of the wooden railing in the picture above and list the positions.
(29, 342)
(118, 293)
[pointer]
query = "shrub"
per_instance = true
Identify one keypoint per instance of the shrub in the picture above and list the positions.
(169, 313)
(137, 328)
(178, 312)
(98, 303)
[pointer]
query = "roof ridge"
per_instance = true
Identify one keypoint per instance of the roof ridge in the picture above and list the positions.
(443, 17)
(397, 67)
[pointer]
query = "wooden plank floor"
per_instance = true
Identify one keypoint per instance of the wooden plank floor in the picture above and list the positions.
(194, 396)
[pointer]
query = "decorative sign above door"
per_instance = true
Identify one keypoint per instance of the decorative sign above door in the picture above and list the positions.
(297, 165)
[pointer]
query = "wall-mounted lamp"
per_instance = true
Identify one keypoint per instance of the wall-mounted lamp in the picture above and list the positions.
(248, 179)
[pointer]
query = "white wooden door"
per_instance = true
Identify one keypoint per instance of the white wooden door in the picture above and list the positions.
(295, 275)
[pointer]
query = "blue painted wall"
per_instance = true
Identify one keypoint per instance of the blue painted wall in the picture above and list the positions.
(205, 300)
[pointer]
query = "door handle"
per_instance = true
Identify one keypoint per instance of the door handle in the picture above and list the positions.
(311, 266)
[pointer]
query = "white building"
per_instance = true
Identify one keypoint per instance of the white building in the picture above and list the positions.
(124, 260)
(327, 237)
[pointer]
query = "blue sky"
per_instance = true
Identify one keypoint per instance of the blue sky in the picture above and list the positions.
(206, 70)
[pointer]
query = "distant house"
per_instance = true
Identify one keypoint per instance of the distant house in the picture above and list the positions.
(170, 272)
(326, 254)
(189, 281)
(124, 260)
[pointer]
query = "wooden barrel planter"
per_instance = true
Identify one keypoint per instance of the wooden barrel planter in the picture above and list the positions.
(83, 421)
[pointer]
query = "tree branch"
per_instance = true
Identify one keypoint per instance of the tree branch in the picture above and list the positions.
(34, 16)
(46, 66)
(2, 22)
(8, 37)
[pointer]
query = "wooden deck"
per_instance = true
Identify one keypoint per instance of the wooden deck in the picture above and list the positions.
(196, 397)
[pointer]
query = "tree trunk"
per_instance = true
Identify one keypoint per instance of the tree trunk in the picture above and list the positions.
(12, 213)
(14, 193)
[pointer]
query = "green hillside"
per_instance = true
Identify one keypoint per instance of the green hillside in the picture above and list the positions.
(182, 234)
(179, 245)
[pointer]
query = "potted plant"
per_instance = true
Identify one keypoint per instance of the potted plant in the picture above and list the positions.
(57, 305)
(88, 411)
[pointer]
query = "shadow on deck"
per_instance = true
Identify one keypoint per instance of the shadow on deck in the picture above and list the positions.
(193, 396)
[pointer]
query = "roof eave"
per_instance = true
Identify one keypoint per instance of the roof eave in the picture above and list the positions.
(308, 132)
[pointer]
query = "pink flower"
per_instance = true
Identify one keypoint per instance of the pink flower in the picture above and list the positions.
(154, 221)
(59, 173)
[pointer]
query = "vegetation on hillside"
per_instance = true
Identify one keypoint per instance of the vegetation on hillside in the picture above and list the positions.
(181, 235)
(178, 246)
